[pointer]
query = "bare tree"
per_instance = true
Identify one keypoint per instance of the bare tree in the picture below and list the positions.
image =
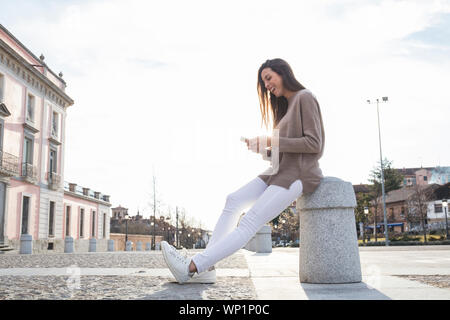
(392, 181)
(417, 204)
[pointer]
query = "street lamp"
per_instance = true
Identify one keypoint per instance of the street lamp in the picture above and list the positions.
(384, 99)
(366, 212)
(168, 229)
(127, 217)
(444, 204)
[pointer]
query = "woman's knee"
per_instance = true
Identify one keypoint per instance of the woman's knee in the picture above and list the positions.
(233, 200)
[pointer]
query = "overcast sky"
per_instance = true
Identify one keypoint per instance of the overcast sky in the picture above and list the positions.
(172, 85)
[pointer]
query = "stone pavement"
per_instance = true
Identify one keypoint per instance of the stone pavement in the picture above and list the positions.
(389, 273)
(115, 275)
(416, 272)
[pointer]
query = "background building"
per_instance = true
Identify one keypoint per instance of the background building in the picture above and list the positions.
(33, 198)
(424, 176)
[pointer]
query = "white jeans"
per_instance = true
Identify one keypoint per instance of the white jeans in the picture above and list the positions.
(268, 202)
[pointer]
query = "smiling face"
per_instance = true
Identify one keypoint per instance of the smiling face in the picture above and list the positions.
(273, 82)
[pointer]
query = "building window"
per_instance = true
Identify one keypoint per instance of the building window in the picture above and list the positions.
(25, 214)
(425, 178)
(402, 214)
(1, 135)
(81, 222)
(52, 164)
(67, 221)
(437, 208)
(55, 124)
(30, 108)
(93, 224)
(104, 225)
(28, 151)
(2, 86)
(51, 219)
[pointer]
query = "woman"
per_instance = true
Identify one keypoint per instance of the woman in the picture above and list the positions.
(297, 145)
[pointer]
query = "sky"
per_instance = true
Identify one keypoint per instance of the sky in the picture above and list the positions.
(167, 88)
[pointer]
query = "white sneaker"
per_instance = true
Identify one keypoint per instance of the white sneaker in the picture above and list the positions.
(208, 276)
(204, 277)
(177, 263)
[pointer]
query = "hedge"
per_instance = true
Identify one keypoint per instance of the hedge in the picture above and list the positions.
(405, 243)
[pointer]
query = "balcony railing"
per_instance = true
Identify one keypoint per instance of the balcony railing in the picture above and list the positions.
(29, 172)
(9, 164)
(54, 180)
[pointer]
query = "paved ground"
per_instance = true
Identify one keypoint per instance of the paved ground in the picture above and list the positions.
(388, 273)
(114, 275)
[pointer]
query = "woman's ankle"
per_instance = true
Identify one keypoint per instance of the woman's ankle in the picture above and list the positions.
(192, 267)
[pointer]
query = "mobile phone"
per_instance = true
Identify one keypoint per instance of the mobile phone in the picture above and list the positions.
(244, 139)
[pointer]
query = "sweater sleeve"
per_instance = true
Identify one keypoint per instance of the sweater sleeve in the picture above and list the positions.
(311, 142)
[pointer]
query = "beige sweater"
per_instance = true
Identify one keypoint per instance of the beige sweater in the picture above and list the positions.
(299, 153)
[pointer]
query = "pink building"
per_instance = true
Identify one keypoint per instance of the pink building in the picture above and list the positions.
(33, 197)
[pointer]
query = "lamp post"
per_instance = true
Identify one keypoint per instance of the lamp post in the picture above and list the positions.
(127, 217)
(154, 212)
(366, 212)
(177, 243)
(444, 204)
(384, 99)
(168, 229)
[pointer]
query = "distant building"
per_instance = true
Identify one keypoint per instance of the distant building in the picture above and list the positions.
(119, 212)
(424, 176)
(397, 209)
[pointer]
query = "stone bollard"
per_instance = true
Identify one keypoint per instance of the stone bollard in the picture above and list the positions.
(329, 250)
(128, 246)
(68, 245)
(139, 246)
(147, 246)
(26, 244)
(110, 245)
(92, 245)
(261, 242)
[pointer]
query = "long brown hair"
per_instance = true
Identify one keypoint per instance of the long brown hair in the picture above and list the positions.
(267, 99)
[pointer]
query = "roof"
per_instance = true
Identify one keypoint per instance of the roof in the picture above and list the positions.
(119, 207)
(29, 52)
(412, 171)
(32, 69)
(404, 193)
(361, 188)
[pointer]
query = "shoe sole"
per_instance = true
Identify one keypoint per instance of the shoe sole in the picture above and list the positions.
(207, 277)
(168, 265)
(193, 280)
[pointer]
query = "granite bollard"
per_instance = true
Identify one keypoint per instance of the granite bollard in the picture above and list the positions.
(92, 245)
(329, 250)
(68, 245)
(261, 242)
(110, 245)
(26, 244)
